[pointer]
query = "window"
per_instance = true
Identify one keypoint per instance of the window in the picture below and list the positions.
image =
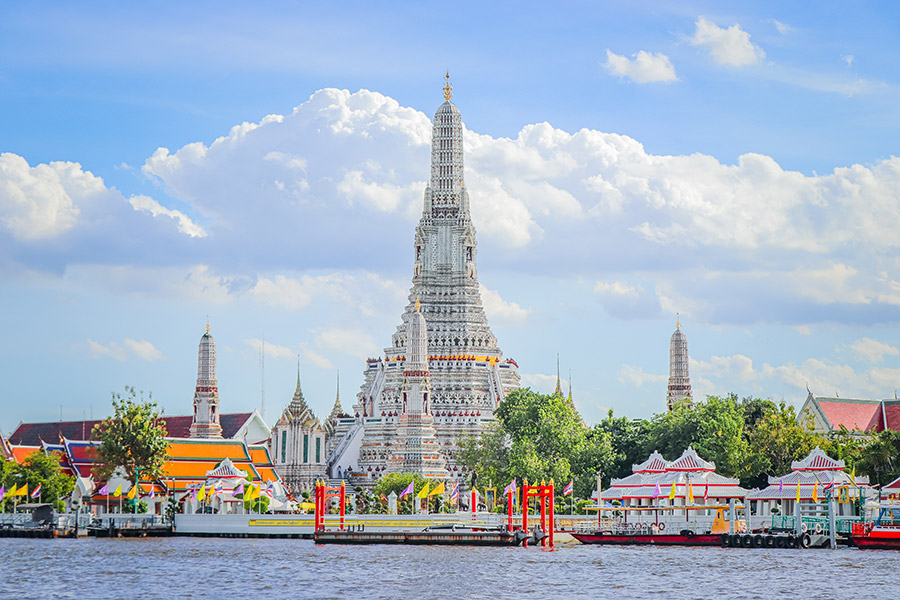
(283, 444)
(318, 449)
(305, 447)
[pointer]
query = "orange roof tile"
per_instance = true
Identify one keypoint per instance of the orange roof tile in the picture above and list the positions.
(207, 449)
(20, 452)
(260, 455)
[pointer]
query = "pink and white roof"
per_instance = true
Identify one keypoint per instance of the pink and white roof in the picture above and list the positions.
(814, 473)
(817, 461)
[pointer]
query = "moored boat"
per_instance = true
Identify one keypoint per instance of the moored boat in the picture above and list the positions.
(870, 535)
(681, 538)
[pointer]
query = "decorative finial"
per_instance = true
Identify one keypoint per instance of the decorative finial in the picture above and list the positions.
(448, 89)
(677, 321)
(207, 323)
(418, 305)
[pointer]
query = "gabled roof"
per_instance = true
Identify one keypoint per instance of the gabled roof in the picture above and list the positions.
(892, 487)
(852, 413)
(655, 463)
(32, 434)
(690, 461)
(226, 469)
(817, 461)
(20, 452)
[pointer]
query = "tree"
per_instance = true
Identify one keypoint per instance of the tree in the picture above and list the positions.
(626, 437)
(133, 438)
(880, 458)
(397, 482)
(41, 469)
(776, 440)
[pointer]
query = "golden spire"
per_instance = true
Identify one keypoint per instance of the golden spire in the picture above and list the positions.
(417, 304)
(677, 321)
(207, 323)
(448, 89)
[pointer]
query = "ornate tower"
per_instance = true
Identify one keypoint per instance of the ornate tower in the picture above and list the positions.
(679, 379)
(206, 394)
(468, 375)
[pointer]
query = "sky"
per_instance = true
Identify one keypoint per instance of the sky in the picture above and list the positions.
(263, 165)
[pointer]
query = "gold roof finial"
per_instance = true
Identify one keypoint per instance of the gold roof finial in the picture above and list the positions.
(207, 323)
(448, 89)
(677, 321)
(417, 304)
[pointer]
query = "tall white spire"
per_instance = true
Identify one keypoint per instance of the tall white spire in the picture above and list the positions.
(679, 378)
(205, 423)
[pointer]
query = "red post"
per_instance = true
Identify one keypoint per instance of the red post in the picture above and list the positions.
(509, 510)
(552, 512)
(543, 499)
(343, 504)
(317, 510)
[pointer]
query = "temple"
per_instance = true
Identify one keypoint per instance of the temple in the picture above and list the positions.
(467, 376)
(856, 414)
(679, 379)
(206, 393)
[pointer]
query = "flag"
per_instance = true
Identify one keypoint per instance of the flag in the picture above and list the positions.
(672, 492)
(781, 484)
(219, 488)
(816, 491)
(194, 495)
(853, 475)
(656, 491)
(798, 490)
(132, 492)
(238, 490)
(511, 488)
(423, 493)
(2, 492)
(409, 489)
(201, 494)
(37, 491)
(104, 490)
(569, 488)
(22, 491)
(152, 492)
(690, 492)
(118, 491)
(828, 486)
(454, 495)
(438, 489)
(706, 492)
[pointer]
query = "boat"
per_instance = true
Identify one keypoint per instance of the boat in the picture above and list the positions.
(882, 532)
(648, 536)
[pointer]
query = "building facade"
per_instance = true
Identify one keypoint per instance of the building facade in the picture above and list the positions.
(298, 444)
(467, 373)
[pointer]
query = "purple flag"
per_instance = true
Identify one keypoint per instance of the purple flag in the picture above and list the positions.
(511, 488)
(104, 490)
(193, 495)
(2, 491)
(238, 490)
(656, 491)
(409, 489)
(781, 484)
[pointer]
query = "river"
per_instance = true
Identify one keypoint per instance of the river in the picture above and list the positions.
(242, 569)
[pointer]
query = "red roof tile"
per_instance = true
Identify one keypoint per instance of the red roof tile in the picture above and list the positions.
(892, 412)
(864, 415)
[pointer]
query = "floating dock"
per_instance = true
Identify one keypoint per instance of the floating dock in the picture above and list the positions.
(438, 536)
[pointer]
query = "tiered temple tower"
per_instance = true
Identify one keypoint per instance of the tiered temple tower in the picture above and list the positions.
(298, 444)
(679, 378)
(205, 423)
(467, 372)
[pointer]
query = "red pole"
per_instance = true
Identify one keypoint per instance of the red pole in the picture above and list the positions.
(525, 512)
(509, 510)
(552, 512)
(343, 504)
(543, 499)
(316, 510)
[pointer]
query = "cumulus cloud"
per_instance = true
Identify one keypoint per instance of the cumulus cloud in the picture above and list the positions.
(498, 309)
(542, 383)
(643, 67)
(37, 202)
(731, 46)
(121, 352)
(873, 350)
(185, 225)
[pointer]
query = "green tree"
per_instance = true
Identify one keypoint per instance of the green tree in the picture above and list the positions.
(397, 482)
(41, 469)
(880, 457)
(133, 438)
(777, 439)
(626, 437)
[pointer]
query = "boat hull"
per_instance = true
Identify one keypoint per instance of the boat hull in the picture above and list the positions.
(876, 539)
(439, 538)
(658, 539)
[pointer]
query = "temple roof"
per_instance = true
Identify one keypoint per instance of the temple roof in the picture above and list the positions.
(817, 461)
(690, 461)
(654, 464)
(32, 434)
(892, 487)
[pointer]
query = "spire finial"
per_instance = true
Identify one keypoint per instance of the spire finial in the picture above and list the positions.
(418, 305)
(558, 390)
(207, 323)
(298, 371)
(677, 320)
(448, 89)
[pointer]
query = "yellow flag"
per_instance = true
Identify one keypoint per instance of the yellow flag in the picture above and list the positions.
(255, 492)
(690, 493)
(132, 492)
(438, 489)
(798, 490)
(22, 491)
(423, 493)
(118, 491)
(816, 491)
(672, 493)
(202, 493)
(853, 475)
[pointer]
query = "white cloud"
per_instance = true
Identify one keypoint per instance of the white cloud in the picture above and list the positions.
(281, 291)
(149, 205)
(782, 28)
(873, 350)
(736, 368)
(625, 300)
(498, 309)
(847, 58)
(645, 67)
(540, 382)
(637, 377)
(142, 349)
(731, 46)
(315, 358)
(36, 202)
(348, 341)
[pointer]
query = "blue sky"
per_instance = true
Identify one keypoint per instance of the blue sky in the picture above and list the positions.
(264, 164)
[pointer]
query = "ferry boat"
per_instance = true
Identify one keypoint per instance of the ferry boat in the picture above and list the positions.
(665, 532)
(883, 532)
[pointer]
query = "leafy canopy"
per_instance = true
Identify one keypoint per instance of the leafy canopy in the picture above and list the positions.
(133, 438)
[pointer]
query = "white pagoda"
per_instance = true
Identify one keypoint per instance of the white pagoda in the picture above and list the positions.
(467, 374)
(205, 423)
(679, 378)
